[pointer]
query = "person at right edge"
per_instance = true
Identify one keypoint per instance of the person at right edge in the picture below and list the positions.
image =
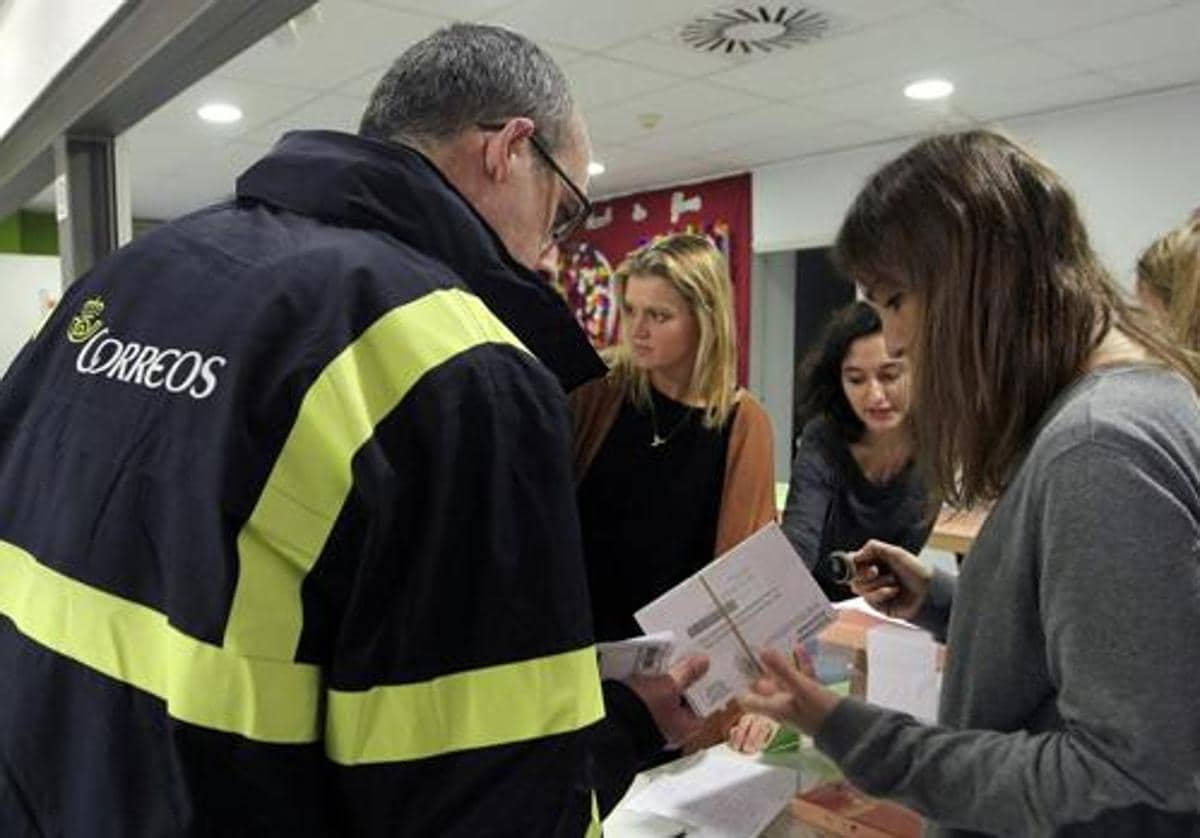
(1069, 702)
(287, 538)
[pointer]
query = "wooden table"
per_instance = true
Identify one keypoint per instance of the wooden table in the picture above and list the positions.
(955, 531)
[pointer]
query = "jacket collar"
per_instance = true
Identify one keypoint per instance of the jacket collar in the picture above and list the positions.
(369, 183)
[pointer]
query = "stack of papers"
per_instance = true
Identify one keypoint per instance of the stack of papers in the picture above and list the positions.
(719, 795)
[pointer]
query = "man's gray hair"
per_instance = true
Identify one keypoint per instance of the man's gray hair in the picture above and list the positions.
(463, 75)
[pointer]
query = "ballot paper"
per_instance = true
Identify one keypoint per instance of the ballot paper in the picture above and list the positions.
(757, 595)
(647, 655)
(902, 671)
(720, 794)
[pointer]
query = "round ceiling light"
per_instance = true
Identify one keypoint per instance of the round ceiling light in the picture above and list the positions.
(927, 89)
(222, 113)
(746, 30)
(595, 168)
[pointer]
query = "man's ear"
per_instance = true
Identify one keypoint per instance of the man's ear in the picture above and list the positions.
(503, 149)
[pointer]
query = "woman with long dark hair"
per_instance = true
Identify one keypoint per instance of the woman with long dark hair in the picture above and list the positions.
(1069, 701)
(853, 477)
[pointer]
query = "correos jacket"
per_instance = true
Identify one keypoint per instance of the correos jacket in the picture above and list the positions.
(288, 544)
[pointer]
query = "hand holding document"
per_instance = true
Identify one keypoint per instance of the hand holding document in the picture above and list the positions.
(646, 655)
(758, 595)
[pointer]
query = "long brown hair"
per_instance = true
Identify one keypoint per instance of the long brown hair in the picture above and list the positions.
(1170, 270)
(698, 271)
(1011, 299)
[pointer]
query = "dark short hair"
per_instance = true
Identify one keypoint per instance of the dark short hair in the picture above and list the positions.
(465, 74)
(819, 390)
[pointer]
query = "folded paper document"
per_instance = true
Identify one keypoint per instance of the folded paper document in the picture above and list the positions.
(647, 655)
(757, 595)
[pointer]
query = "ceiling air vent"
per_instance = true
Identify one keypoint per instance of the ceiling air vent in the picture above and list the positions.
(747, 30)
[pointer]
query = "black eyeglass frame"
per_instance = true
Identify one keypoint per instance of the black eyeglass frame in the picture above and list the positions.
(563, 230)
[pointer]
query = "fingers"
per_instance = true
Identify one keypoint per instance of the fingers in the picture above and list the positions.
(775, 706)
(787, 676)
(804, 661)
(688, 671)
(751, 733)
(762, 732)
(740, 734)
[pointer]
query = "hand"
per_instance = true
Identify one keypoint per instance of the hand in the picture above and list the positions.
(891, 579)
(663, 697)
(788, 696)
(751, 733)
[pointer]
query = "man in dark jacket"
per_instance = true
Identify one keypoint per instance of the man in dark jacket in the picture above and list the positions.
(287, 537)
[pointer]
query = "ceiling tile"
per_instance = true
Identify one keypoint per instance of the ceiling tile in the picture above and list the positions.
(664, 52)
(154, 153)
(918, 121)
(340, 42)
(338, 113)
(596, 81)
(594, 26)
(1142, 38)
(654, 177)
(210, 178)
(1010, 65)
(827, 137)
(1037, 19)
(361, 87)
(747, 126)
(1164, 71)
(260, 103)
(1001, 101)
(853, 13)
(893, 48)
(449, 9)
(680, 106)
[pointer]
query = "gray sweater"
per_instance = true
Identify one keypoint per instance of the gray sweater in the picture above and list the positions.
(1070, 703)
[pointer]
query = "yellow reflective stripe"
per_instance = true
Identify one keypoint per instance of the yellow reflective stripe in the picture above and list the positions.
(202, 684)
(480, 708)
(311, 477)
(595, 827)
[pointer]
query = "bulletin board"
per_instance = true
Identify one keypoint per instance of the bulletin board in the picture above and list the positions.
(719, 209)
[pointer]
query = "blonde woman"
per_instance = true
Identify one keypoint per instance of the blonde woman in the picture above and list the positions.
(674, 462)
(1168, 281)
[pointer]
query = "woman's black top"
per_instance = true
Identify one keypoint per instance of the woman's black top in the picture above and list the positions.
(649, 512)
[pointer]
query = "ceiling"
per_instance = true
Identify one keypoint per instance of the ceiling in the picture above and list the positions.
(716, 113)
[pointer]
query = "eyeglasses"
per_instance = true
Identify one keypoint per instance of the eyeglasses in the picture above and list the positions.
(567, 218)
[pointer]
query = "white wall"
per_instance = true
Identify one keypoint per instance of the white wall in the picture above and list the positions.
(37, 39)
(773, 318)
(27, 283)
(1132, 164)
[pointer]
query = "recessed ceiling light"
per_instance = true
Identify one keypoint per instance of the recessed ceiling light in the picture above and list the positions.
(595, 168)
(220, 112)
(929, 89)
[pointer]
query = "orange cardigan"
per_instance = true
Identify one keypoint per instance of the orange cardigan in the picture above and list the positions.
(748, 496)
(747, 499)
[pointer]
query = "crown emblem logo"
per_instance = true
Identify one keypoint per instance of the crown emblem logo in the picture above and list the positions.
(84, 325)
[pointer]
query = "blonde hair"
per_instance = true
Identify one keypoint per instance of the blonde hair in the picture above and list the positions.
(1170, 270)
(698, 272)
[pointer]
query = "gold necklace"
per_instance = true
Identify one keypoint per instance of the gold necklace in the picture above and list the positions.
(658, 439)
